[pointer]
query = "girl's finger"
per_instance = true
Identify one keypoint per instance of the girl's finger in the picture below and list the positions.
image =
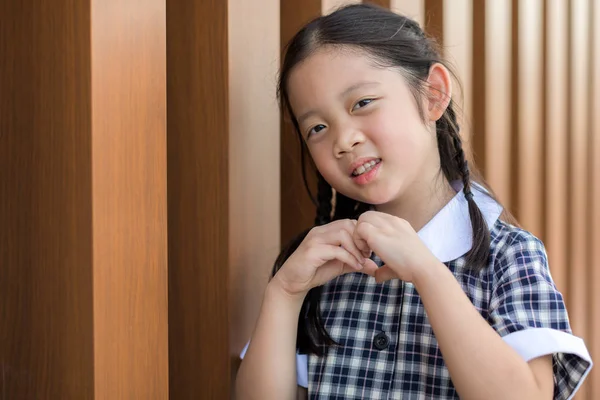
(362, 235)
(342, 237)
(348, 243)
(333, 252)
(384, 273)
(374, 218)
(370, 268)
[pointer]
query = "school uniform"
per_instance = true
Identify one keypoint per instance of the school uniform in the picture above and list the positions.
(387, 347)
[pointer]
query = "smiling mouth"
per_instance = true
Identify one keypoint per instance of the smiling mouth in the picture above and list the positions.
(366, 167)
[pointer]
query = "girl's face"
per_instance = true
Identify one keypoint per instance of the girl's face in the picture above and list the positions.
(362, 126)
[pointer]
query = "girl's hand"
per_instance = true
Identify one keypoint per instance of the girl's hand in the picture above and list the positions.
(396, 243)
(326, 252)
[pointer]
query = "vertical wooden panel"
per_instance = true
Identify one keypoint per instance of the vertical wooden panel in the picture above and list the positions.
(593, 198)
(529, 182)
(254, 176)
(46, 319)
(556, 129)
(414, 9)
(498, 97)
(198, 170)
(434, 19)
(129, 198)
(479, 70)
(458, 49)
(577, 188)
(297, 210)
(328, 6)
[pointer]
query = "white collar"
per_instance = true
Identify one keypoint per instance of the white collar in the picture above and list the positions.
(448, 235)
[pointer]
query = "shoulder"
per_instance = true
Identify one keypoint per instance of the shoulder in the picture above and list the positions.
(512, 248)
(505, 236)
(518, 263)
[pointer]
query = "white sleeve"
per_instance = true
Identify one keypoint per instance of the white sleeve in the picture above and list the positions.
(301, 367)
(566, 348)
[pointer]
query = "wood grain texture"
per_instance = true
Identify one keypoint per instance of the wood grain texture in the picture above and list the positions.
(593, 196)
(498, 88)
(198, 126)
(328, 6)
(434, 19)
(527, 103)
(556, 141)
(254, 153)
(129, 199)
(297, 210)
(46, 327)
(478, 95)
(577, 187)
(414, 9)
(458, 49)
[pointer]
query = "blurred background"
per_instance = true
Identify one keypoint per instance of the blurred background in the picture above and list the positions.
(148, 180)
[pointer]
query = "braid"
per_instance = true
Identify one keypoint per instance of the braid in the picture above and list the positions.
(324, 196)
(344, 207)
(455, 165)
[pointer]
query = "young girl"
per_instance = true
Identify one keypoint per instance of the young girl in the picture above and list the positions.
(412, 286)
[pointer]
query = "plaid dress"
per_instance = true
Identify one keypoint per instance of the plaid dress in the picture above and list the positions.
(388, 349)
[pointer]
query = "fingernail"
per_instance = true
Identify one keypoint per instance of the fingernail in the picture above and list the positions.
(362, 260)
(359, 266)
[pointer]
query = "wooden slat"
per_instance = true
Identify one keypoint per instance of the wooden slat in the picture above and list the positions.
(514, 141)
(458, 49)
(327, 6)
(434, 19)
(414, 9)
(593, 200)
(46, 275)
(556, 84)
(498, 97)
(129, 198)
(297, 210)
(578, 128)
(529, 183)
(254, 176)
(198, 176)
(479, 138)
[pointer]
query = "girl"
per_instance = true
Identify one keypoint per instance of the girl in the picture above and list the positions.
(412, 286)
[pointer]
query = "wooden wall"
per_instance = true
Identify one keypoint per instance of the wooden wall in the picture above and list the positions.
(83, 243)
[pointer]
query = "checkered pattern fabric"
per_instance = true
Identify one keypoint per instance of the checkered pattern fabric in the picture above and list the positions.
(514, 293)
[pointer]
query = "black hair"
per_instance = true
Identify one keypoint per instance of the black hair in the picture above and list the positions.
(390, 40)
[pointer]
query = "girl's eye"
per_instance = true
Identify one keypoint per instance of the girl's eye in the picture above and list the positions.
(361, 104)
(316, 129)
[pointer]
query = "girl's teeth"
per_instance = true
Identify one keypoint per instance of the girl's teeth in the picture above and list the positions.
(364, 168)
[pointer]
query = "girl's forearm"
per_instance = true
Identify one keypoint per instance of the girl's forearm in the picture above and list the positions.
(268, 370)
(481, 364)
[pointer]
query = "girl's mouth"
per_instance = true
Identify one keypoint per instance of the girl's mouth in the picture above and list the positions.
(366, 167)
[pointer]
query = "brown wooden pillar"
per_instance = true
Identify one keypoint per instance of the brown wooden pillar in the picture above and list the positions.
(83, 200)
(297, 210)
(198, 129)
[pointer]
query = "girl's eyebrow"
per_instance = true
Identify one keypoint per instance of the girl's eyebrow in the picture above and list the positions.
(343, 94)
(357, 86)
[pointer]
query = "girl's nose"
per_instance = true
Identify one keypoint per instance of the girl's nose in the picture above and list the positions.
(347, 141)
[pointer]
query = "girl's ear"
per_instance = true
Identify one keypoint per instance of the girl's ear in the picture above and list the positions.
(439, 91)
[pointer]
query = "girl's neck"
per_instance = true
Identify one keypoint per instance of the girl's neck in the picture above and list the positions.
(421, 203)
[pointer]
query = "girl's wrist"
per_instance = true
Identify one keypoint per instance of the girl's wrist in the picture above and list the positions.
(428, 272)
(276, 290)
